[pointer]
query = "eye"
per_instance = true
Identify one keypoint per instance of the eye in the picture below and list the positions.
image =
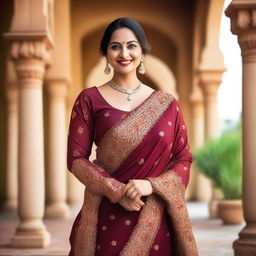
(131, 46)
(115, 47)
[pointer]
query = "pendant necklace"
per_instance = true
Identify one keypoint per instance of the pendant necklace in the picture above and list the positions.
(128, 91)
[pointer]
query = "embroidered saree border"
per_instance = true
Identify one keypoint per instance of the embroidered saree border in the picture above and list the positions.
(144, 233)
(113, 149)
(170, 188)
(115, 146)
(86, 232)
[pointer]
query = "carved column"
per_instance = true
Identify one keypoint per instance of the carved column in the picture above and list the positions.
(203, 188)
(29, 59)
(243, 24)
(56, 166)
(210, 80)
(57, 84)
(12, 147)
(30, 39)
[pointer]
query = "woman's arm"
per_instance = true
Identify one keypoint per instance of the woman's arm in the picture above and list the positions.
(80, 139)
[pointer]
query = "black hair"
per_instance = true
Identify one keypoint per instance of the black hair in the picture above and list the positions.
(133, 25)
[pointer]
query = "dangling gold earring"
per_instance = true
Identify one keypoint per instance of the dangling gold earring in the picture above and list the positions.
(142, 68)
(107, 69)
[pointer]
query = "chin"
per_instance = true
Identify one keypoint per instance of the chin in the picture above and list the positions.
(124, 72)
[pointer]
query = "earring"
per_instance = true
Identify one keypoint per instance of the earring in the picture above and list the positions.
(107, 69)
(142, 68)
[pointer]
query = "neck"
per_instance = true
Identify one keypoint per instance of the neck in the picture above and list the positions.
(126, 81)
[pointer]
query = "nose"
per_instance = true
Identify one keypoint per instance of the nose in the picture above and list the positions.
(124, 52)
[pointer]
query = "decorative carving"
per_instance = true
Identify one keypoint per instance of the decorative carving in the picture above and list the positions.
(30, 57)
(29, 49)
(243, 19)
(243, 24)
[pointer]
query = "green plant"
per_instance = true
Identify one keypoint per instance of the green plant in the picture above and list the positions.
(220, 161)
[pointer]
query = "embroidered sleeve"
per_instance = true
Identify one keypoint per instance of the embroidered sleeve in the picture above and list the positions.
(180, 158)
(80, 139)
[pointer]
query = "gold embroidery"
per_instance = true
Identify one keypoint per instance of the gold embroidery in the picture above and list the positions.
(169, 187)
(127, 222)
(73, 114)
(107, 114)
(87, 227)
(137, 124)
(95, 182)
(156, 247)
(123, 116)
(113, 243)
(143, 235)
(161, 134)
(80, 130)
(112, 217)
(76, 153)
(141, 161)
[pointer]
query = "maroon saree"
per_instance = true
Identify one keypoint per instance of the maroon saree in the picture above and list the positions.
(149, 142)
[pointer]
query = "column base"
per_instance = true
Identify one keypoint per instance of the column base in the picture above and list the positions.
(10, 206)
(57, 210)
(31, 235)
(213, 208)
(246, 243)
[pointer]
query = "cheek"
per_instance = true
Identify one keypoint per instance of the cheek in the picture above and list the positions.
(111, 56)
(137, 54)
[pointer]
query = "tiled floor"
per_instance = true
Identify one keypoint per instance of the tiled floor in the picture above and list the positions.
(213, 238)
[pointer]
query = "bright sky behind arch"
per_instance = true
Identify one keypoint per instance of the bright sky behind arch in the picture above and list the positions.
(230, 91)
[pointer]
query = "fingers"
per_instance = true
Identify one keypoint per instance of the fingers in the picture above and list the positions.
(137, 199)
(130, 190)
(127, 187)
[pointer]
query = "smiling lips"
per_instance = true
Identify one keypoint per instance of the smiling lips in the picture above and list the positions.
(124, 62)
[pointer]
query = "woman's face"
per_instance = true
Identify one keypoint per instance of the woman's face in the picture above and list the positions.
(124, 52)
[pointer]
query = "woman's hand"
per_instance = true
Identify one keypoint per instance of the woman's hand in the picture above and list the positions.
(131, 205)
(137, 188)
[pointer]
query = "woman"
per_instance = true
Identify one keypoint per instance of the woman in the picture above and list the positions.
(134, 198)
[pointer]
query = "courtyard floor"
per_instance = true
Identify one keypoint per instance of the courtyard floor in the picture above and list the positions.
(213, 238)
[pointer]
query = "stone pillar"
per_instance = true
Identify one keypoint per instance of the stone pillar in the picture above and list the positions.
(11, 202)
(30, 40)
(31, 232)
(56, 164)
(210, 81)
(243, 24)
(203, 189)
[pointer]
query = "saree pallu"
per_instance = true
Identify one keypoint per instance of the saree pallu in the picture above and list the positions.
(149, 142)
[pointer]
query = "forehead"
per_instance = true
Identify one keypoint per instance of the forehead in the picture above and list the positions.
(123, 35)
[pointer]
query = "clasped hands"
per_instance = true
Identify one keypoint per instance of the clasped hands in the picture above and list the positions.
(132, 193)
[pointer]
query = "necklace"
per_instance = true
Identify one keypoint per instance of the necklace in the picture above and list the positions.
(128, 91)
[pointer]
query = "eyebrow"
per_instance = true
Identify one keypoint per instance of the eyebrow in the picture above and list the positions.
(133, 41)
